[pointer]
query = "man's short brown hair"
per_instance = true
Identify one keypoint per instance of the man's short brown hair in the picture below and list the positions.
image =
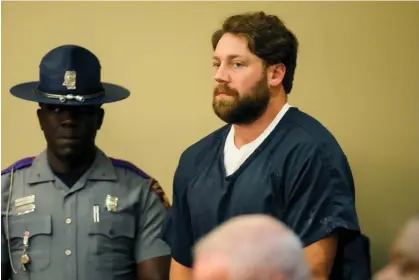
(267, 37)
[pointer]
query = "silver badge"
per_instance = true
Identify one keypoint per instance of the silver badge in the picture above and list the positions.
(111, 203)
(70, 79)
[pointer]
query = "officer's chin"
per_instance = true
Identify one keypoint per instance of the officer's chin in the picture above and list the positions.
(69, 153)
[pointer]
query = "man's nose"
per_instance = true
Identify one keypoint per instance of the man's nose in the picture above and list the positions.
(222, 75)
(69, 117)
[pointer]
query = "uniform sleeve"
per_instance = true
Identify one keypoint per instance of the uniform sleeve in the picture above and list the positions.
(153, 212)
(320, 193)
(178, 229)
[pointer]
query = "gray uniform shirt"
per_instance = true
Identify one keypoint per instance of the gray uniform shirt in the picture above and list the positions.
(66, 240)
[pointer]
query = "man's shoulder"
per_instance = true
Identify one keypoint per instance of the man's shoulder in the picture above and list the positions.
(308, 130)
(306, 137)
(130, 167)
(141, 176)
(20, 164)
(15, 168)
(205, 145)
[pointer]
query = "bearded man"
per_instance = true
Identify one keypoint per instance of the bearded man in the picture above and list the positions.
(270, 158)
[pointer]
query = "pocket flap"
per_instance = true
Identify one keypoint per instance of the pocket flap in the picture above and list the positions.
(35, 224)
(114, 225)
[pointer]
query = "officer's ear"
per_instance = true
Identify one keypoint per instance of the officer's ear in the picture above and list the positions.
(39, 114)
(101, 117)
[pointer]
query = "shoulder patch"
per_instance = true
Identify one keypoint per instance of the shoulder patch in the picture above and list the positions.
(158, 190)
(130, 166)
(20, 164)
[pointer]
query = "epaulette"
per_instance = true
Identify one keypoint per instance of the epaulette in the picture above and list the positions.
(20, 164)
(154, 185)
(130, 166)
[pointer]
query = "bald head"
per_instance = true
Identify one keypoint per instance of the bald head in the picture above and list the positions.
(250, 247)
(404, 256)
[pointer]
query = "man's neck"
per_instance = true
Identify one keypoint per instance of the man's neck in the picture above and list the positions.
(244, 134)
(78, 164)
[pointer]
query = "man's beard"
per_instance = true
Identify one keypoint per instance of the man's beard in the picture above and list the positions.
(243, 109)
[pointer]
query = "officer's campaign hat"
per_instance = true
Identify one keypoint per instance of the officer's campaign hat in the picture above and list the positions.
(70, 75)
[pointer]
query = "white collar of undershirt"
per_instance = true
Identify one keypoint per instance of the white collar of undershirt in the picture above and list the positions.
(230, 137)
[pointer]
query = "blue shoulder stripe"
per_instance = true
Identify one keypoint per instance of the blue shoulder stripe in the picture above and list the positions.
(25, 162)
(130, 166)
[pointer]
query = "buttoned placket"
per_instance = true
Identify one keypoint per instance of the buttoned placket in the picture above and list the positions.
(70, 224)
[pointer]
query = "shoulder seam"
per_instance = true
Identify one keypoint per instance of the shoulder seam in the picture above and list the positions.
(20, 164)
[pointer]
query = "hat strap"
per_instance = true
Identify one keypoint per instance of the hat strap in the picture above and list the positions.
(64, 97)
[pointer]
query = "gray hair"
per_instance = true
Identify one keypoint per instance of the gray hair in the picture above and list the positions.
(256, 246)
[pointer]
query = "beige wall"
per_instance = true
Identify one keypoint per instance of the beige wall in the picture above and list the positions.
(357, 73)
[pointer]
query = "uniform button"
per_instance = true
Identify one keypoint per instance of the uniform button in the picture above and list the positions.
(68, 252)
(68, 221)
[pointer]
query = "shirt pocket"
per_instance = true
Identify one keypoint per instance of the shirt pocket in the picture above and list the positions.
(111, 243)
(39, 249)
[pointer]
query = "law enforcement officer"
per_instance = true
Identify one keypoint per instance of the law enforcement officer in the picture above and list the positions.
(270, 158)
(72, 212)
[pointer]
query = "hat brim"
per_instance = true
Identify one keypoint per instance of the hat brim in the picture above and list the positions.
(113, 93)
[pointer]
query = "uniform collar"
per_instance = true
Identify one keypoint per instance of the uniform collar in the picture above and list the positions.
(101, 169)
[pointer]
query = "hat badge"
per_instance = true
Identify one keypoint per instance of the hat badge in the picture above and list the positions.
(70, 79)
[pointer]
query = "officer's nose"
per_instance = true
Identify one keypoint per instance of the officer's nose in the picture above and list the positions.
(69, 117)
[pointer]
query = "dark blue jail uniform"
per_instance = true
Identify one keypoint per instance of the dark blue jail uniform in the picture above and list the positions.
(298, 174)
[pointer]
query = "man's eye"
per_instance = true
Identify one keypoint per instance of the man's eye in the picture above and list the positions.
(238, 64)
(54, 109)
(215, 64)
(76, 109)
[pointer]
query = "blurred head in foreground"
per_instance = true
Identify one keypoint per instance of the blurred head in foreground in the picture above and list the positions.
(250, 247)
(404, 255)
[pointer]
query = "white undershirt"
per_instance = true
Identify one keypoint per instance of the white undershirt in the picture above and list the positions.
(234, 157)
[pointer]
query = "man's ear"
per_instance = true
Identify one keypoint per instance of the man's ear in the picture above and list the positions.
(276, 74)
(39, 114)
(101, 117)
